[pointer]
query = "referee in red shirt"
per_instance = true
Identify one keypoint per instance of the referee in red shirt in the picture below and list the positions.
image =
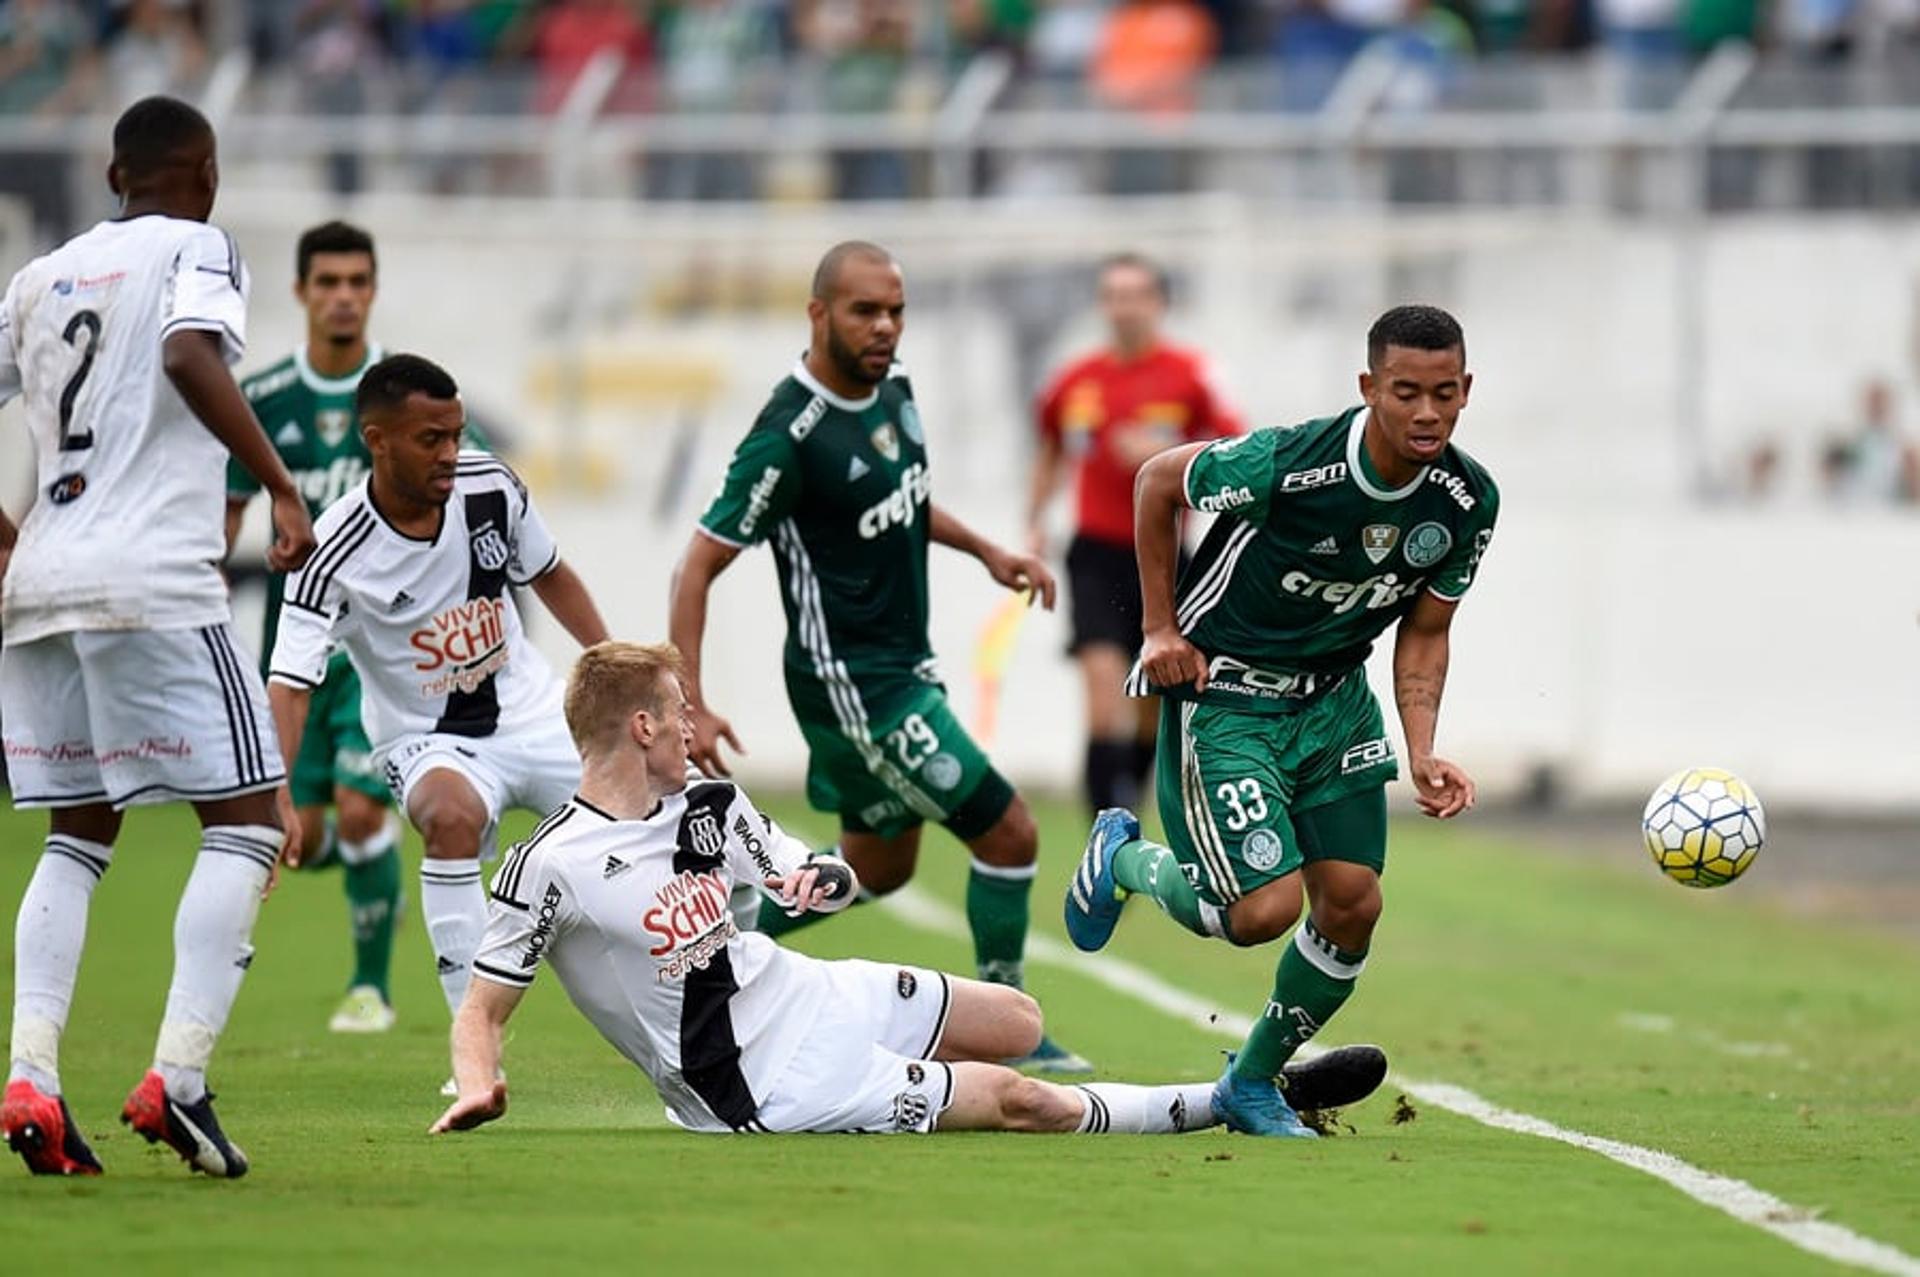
(1100, 419)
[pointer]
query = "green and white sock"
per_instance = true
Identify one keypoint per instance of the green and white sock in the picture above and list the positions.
(1315, 977)
(1148, 869)
(372, 881)
(999, 905)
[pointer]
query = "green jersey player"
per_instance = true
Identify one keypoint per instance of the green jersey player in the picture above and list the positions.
(835, 473)
(1273, 758)
(306, 404)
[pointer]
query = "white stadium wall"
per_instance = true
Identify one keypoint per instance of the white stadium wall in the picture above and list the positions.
(1625, 625)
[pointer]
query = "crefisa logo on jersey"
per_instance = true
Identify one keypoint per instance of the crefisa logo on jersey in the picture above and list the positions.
(67, 489)
(490, 548)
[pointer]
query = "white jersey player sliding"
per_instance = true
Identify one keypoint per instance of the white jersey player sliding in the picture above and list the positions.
(412, 577)
(624, 892)
(120, 679)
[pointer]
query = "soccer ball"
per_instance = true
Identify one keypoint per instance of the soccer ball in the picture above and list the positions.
(1703, 827)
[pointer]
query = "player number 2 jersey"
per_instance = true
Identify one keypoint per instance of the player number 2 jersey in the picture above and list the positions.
(126, 529)
(430, 624)
(633, 916)
(1313, 557)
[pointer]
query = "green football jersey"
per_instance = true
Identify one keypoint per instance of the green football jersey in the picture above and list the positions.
(842, 489)
(311, 421)
(1313, 557)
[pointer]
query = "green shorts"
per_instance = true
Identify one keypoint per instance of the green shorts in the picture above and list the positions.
(334, 750)
(889, 754)
(1239, 792)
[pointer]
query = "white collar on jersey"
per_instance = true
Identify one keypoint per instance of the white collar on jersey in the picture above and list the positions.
(807, 379)
(335, 385)
(1359, 473)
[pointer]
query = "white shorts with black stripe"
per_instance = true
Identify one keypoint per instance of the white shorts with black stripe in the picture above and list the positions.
(130, 717)
(867, 1063)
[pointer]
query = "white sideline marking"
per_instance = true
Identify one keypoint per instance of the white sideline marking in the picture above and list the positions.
(1647, 1022)
(1737, 1198)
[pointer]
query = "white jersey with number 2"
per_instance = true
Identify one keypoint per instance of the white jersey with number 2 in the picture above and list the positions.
(126, 530)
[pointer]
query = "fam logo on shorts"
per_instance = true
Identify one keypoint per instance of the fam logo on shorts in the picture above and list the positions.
(1262, 850)
(1427, 544)
(942, 771)
(490, 548)
(1366, 754)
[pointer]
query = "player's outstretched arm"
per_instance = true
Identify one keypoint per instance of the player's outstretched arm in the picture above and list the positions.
(192, 361)
(1159, 495)
(1007, 567)
(1420, 652)
(564, 594)
(693, 577)
(477, 1031)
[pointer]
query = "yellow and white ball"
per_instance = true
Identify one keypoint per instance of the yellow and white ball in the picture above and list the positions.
(1703, 826)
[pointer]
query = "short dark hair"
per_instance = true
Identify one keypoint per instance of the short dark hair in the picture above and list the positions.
(331, 237)
(155, 132)
(1415, 328)
(1138, 261)
(388, 383)
(826, 276)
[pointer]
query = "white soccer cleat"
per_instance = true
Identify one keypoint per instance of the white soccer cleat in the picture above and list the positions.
(363, 1010)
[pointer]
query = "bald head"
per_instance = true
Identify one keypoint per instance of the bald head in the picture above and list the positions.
(827, 275)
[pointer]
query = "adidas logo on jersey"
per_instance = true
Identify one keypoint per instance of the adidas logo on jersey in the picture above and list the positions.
(289, 436)
(446, 966)
(857, 470)
(400, 600)
(1326, 545)
(615, 865)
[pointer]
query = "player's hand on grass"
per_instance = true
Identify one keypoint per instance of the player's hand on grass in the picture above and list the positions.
(1442, 788)
(1170, 660)
(473, 1110)
(709, 729)
(292, 533)
(1021, 572)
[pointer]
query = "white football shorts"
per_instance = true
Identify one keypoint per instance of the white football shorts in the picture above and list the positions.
(535, 768)
(867, 1063)
(130, 717)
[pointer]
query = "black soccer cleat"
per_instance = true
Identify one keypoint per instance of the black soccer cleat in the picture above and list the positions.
(190, 1130)
(1345, 1075)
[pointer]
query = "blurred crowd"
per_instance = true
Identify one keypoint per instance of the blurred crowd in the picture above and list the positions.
(704, 55)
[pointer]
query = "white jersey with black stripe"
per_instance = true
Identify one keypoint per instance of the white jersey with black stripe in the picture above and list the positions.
(126, 530)
(633, 916)
(430, 624)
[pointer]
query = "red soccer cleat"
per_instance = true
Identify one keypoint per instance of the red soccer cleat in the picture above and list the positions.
(190, 1130)
(41, 1129)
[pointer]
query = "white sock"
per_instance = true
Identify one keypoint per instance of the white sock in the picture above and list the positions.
(371, 849)
(212, 948)
(1116, 1108)
(48, 935)
(456, 910)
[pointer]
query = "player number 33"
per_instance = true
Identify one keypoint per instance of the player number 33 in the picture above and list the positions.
(1248, 804)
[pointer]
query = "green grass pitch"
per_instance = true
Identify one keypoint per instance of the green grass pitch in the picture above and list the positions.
(1787, 1056)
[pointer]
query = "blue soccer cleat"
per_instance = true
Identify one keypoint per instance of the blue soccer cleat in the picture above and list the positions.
(1093, 898)
(1256, 1107)
(190, 1130)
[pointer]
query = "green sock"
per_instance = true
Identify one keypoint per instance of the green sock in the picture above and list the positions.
(1152, 870)
(1314, 978)
(373, 904)
(998, 901)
